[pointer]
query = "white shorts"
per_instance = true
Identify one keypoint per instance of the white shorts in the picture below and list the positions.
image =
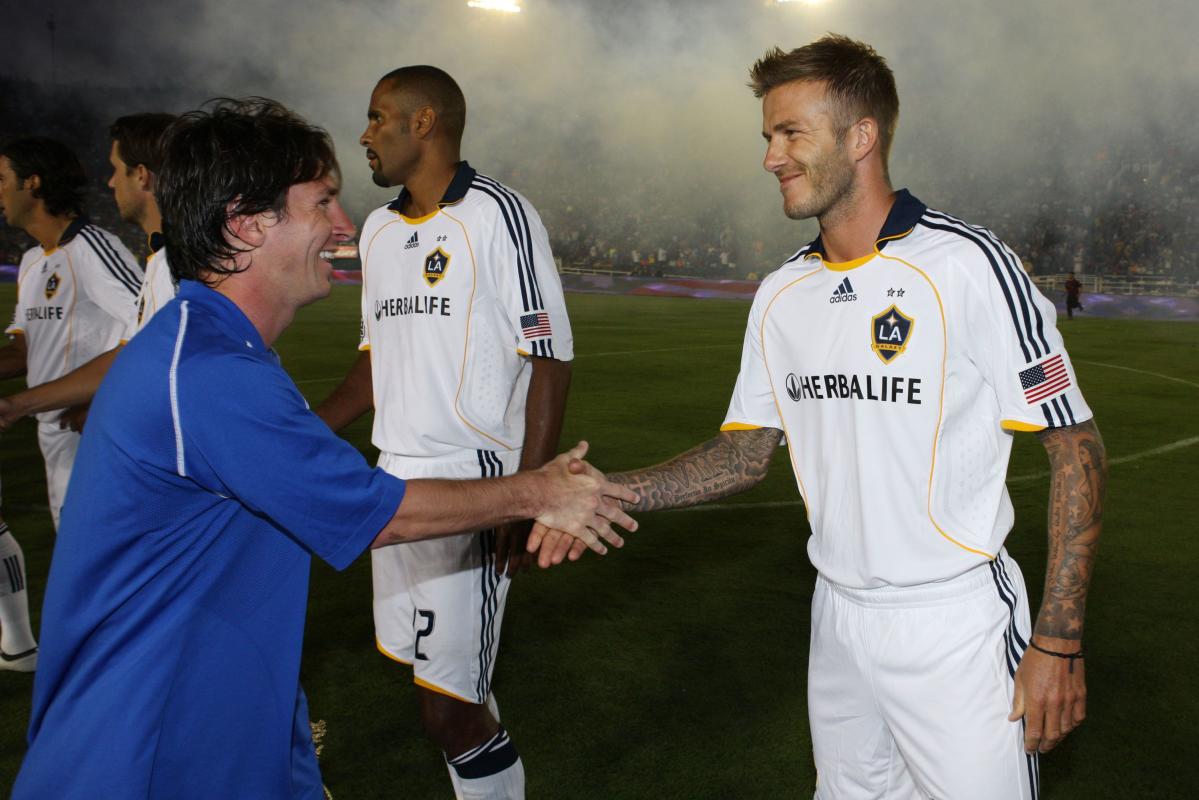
(438, 603)
(58, 449)
(909, 689)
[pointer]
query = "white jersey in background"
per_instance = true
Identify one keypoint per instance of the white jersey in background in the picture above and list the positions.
(897, 379)
(74, 301)
(453, 304)
(158, 287)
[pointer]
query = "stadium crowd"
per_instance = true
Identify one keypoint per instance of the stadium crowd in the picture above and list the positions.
(1119, 210)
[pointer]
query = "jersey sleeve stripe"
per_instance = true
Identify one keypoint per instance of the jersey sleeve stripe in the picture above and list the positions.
(180, 463)
(111, 260)
(115, 263)
(1018, 275)
(1069, 411)
(522, 224)
(522, 236)
(1018, 278)
(524, 289)
(1021, 331)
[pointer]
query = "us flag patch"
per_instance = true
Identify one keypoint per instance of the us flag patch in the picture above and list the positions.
(535, 326)
(1044, 380)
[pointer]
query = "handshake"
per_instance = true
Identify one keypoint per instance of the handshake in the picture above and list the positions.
(572, 505)
(581, 506)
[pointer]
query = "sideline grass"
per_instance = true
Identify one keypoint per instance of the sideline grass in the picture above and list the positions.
(675, 668)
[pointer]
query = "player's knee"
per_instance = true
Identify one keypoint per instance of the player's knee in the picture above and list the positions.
(455, 726)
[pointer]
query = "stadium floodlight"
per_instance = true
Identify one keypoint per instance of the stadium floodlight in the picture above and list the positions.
(506, 6)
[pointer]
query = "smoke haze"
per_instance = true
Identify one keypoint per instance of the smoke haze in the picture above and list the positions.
(643, 104)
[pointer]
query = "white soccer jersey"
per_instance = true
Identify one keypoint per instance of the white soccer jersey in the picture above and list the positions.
(158, 288)
(453, 305)
(74, 302)
(897, 379)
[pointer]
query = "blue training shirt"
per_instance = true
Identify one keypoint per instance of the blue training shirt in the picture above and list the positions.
(174, 615)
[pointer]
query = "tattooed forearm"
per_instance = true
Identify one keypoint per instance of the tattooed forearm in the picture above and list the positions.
(732, 462)
(1079, 468)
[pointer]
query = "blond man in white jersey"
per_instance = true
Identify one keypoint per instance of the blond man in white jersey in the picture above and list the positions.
(898, 353)
(75, 288)
(135, 156)
(466, 363)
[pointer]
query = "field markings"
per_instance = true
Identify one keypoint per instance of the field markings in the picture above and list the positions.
(1017, 479)
(1028, 478)
(307, 381)
(659, 350)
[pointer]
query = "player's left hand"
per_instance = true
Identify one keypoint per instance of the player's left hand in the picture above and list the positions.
(1051, 698)
(74, 418)
(510, 553)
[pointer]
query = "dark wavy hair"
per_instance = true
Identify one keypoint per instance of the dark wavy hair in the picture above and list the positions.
(62, 176)
(139, 139)
(228, 159)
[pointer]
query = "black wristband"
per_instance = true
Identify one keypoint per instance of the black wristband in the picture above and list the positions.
(1071, 657)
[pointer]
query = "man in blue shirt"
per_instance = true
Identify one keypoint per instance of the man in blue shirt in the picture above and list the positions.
(174, 615)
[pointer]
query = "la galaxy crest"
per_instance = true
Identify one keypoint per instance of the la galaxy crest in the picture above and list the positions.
(52, 285)
(890, 332)
(436, 263)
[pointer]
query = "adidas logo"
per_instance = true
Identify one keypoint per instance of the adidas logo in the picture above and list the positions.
(843, 293)
(412, 241)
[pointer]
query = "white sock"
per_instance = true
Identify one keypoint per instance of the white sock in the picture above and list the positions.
(16, 636)
(491, 771)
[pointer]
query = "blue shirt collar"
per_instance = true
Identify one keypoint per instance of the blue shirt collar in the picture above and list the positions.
(453, 193)
(225, 312)
(901, 220)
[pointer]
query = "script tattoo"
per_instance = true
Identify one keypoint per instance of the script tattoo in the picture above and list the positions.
(730, 463)
(1079, 468)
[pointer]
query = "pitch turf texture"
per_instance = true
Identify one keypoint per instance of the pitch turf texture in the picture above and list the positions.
(675, 668)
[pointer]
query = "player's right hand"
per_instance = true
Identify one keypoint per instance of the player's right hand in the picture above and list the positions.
(580, 504)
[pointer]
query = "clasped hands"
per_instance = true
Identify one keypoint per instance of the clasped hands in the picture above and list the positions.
(582, 506)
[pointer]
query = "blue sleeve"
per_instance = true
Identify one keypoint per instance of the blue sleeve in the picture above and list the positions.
(245, 432)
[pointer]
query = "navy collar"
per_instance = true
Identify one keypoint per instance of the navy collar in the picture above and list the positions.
(227, 313)
(157, 241)
(72, 230)
(901, 219)
(454, 193)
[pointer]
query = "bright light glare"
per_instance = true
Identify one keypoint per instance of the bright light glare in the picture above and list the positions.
(804, 2)
(507, 6)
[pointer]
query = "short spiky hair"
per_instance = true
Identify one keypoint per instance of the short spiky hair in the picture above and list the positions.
(430, 86)
(63, 181)
(858, 80)
(233, 158)
(139, 139)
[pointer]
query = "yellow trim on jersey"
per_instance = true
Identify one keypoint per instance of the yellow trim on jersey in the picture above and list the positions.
(474, 282)
(392, 656)
(892, 238)
(739, 426)
(525, 353)
(365, 256)
(940, 406)
(364, 348)
(792, 452)
(53, 249)
(846, 266)
(1017, 425)
(424, 683)
(418, 220)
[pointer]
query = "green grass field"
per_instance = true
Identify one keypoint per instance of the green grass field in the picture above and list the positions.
(675, 668)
